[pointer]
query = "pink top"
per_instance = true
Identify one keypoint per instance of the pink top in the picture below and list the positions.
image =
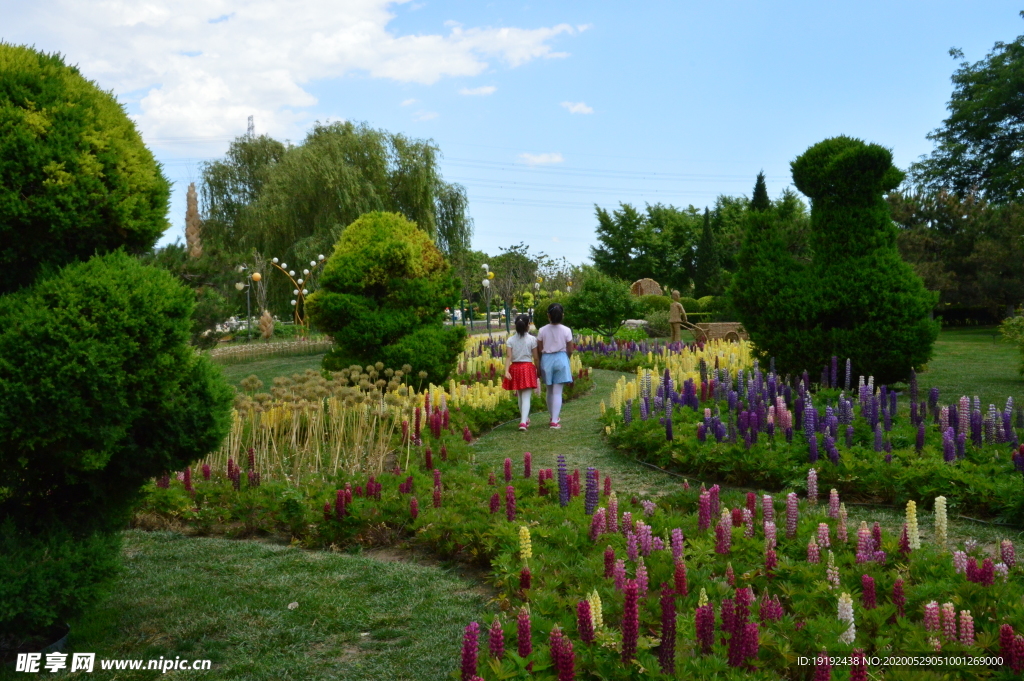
(554, 337)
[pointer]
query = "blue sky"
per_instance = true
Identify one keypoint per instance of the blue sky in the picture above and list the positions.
(541, 110)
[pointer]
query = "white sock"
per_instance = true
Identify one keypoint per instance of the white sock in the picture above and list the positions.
(524, 405)
(555, 401)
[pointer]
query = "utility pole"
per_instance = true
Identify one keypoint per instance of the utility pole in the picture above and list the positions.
(251, 129)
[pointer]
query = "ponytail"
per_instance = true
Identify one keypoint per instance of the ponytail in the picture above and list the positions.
(522, 325)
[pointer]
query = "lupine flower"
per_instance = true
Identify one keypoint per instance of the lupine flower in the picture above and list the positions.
(865, 544)
(739, 643)
(677, 545)
(748, 523)
(607, 486)
(792, 514)
(1017, 664)
(966, 628)
(899, 598)
(496, 639)
(771, 561)
(630, 622)
(904, 546)
(508, 469)
(846, 615)
(597, 524)
(822, 667)
(988, 572)
(723, 535)
(949, 621)
(813, 552)
(876, 536)
(206, 471)
(679, 578)
(590, 500)
(767, 508)
(667, 652)
(609, 562)
(1007, 553)
(704, 511)
(525, 579)
(595, 609)
(523, 634)
(437, 497)
(527, 464)
(823, 535)
(715, 504)
(584, 622)
(491, 480)
(769, 535)
(495, 502)
(470, 647)
(869, 597)
(437, 478)
(613, 513)
(912, 533)
(730, 576)
(833, 503)
(832, 572)
(428, 458)
(631, 546)
(931, 617)
(1002, 571)
(702, 599)
(563, 482)
(641, 579)
(467, 435)
(525, 545)
(705, 625)
(619, 573)
(940, 522)
(812, 485)
(510, 503)
(414, 508)
(1006, 644)
(340, 503)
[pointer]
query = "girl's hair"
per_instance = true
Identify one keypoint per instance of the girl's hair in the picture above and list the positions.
(522, 324)
(556, 313)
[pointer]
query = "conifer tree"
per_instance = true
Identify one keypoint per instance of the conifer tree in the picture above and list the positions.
(707, 268)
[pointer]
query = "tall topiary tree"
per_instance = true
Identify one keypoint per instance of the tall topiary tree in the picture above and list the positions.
(75, 176)
(382, 297)
(100, 389)
(707, 268)
(856, 298)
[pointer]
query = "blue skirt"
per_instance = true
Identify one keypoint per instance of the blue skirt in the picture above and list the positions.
(555, 368)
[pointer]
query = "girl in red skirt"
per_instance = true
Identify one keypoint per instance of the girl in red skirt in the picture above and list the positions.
(521, 360)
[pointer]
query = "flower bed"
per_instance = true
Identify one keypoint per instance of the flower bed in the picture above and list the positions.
(742, 426)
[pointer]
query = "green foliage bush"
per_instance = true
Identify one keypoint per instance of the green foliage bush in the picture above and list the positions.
(382, 297)
(601, 303)
(75, 176)
(654, 303)
(856, 298)
(657, 324)
(1013, 329)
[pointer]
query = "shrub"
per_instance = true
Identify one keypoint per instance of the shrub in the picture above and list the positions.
(857, 298)
(382, 297)
(601, 303)
(657, 324)
(1013, 329)
(654, 303)
(75, 176)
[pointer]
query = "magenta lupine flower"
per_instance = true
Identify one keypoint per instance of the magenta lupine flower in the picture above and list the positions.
(752, 503)
(508, 469)
(495, 502)
(667, 652)
(972, 570)
(823, 535)
(254, 478)
(716, 509)
(627, 522)
(738, 644)
(584, 621)
(527, 464)
(865, 544)
(904, 549)
(753, 636)
(641, 579)
(723, 536)
(769, 535)
(728, 617)
(737, 517)
(876, 536)
(771, 561)
(609, 562)
(631, 546)
(822, 667)
(1017, 664)
(339, 504)
(705, 625)
(613, 514)
(596, 525)
(619, 573)
(414, 508)
(931, 617)
(444, 447)
(188, 480)
(510, 503)
(565, 658)
(525, 579)
(899, 599)
(496, 639)
(730, 576)
(813, 552)
(470, 648)
(491, 480)
(607, 486)
(833, 504)
(1006, 644)
(466, 434)
(677, 544)
(630, 622)
(679, 578)
(327, 510)
(770, 609)
(437, 477)
(767, 508)
(858, 666)
(868, 595)
(949, 621)
(704, 511)
(524, 640)
(988, 572)
(966, 628)
(437, 497)
(206, 471)
(1007, 553)
(792, 514)
(812, 485)
(428, 458)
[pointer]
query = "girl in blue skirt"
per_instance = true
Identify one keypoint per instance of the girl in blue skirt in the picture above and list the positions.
(554, 341)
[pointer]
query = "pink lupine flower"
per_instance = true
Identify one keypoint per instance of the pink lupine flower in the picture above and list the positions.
(767, 508)
(496, 639)
(527, 464)
(470, 647)
(584, 622)
(491, 480)
(730, 575)
(641, 579)
(748, 523)
(792, 514)
(510, 503)
(466, 434)
(679, 578)
(865, 544)
(677, 544)
(966, 628)
(619, 573)
(613, 514)
(630, 622)
(833, 504)
(1007, 553)
(813, 552)
(868, 595)
(771, 561)
(627, 522)
(769, 535)
(723, 536)
(752, 503)
(704, 511)
(508, 469)
(949, 622)
(812, 485)
(823, 536)
(931, 617)
(597, 523)
(437, 477)
(1002, 571)
(609, 562)
(437, 497)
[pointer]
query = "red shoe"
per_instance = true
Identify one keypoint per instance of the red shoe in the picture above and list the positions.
(556, 425)
(524, 426)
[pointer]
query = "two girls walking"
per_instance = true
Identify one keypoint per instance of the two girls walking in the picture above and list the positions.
(549, 352)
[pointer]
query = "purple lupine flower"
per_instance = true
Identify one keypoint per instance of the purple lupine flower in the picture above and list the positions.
(792, 514)
(705, 625)
(645, 536)
(590, 500)
(619, 574)
(677, 545)
(584, 622)
(563, 482)
(496, 639)
(630, 622)
(631, 546)
(919, 444)
(641, 579)
(667, 652)
(849, 436)
(470, 648)
(878, 437)
(510, 503)
(948, 445)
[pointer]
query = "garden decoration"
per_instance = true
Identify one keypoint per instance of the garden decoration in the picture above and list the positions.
(299, 291)
(645, 287)
(676, 316)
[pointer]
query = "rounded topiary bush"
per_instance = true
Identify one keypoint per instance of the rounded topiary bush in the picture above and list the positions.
(75, 176)
(382, 297)
(654, 303)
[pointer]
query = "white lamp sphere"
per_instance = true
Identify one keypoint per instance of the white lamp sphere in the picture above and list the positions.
(291, 273)
(293, 302)
(305, 292)
(284, 266)
(295, 292)
(299, 281)
(274, 260)
(239, 286)
(312, 263)
(305, 272)
(321, 256)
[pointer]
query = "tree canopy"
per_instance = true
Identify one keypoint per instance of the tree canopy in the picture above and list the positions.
(979, 145)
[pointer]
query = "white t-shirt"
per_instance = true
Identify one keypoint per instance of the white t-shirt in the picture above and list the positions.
(522, 347)
(555, 337)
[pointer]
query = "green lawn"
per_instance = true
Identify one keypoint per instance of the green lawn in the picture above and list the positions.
(227, 601)
(267, 369)
(975, 361)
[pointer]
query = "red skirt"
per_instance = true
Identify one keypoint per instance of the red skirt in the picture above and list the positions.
(524, 375)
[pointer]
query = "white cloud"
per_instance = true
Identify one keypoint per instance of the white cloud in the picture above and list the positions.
(198, 68)
(578, 107)
(409, 102)
(583, 27)
(480, 91)
(424, 115)
(542, 159)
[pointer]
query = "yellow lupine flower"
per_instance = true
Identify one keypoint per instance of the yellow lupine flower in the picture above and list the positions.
(703, 599)
(595, 609)
(940, 522)
(912, 533)
(525, 546)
